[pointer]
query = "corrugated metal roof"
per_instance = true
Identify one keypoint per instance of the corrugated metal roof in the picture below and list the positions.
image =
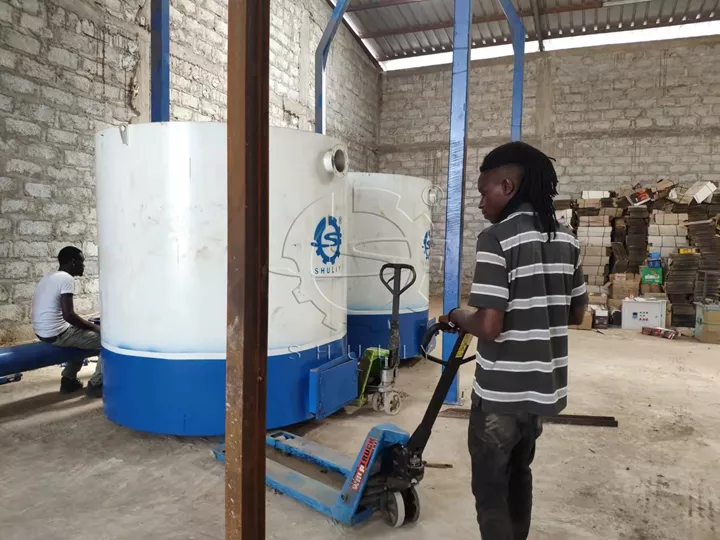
(402, 28)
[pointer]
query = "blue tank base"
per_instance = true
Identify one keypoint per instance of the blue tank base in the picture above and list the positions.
(365, 331)
(187, 397)
(164, 396)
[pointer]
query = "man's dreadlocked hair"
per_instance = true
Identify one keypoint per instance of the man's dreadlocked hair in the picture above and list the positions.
(539, 180)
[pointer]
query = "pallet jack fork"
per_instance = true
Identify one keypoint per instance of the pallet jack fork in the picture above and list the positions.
(385, 474)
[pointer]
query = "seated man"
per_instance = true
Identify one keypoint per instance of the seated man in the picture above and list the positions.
(54, 320)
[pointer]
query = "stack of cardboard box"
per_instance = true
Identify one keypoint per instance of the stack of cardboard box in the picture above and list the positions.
(702, 232)
(708, 323)
(667, 233)
(636, 243)
(594, 235)
(623, 286)
(680, 287)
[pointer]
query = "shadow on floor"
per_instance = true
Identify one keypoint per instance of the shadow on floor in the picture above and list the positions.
(40, 403)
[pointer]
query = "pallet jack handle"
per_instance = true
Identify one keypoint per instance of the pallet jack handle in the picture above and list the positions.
(393, 285)
(421, 435)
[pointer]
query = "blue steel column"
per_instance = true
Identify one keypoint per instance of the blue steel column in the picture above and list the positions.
(518, 42)
(456, 173)
(321, 56)
(160, 61)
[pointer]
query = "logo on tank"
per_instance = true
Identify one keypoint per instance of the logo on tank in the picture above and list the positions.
(426, 245)
(327, 240)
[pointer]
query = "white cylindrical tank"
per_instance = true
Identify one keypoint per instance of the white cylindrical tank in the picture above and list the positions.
(162, 212)
(390, 222)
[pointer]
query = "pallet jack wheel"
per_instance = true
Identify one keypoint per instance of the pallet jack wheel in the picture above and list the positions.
(392, 404)
(411, 498)
(376, 401)
(394, 509)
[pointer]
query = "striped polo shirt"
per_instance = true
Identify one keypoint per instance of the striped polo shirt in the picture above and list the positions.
(535, 283)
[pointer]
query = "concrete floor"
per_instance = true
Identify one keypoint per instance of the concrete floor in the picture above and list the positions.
(68, 473)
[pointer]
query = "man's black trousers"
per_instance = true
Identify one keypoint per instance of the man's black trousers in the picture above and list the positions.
(502, 447)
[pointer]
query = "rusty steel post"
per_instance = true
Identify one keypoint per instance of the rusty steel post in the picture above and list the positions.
(248, 238)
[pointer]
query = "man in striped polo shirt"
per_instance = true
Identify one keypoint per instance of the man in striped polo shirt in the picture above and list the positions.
(528, 286)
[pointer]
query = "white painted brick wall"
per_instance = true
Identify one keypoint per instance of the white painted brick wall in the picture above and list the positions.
(611, 116)
(63, 76)
(69, 68)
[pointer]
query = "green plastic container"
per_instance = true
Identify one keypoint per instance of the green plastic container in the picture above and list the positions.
(651, 276)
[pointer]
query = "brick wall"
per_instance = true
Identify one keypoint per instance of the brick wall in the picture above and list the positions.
(611, 116)
(69, 68)
(199, 87)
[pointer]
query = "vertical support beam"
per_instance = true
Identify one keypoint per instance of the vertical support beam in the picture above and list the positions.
(518, 42)
(160, 61)
(321, 56)
(247, 255)
(456, 173)
(538, 24)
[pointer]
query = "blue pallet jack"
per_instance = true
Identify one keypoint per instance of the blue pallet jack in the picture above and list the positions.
(384, 476)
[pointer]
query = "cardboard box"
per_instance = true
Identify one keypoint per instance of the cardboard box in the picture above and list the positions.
(664, 185)
(650, 289)
(656, 331)
(594, 221)
(595, 194)
(594, 251)
(602, 241)
(651, 276)
(699, 191)
(586, 323)
(594, 231)
(641, 196)
(597, 289)
(594, 270)
(667, 251)
(624, 285)
(657, 242)
(595, 299)
(591, 260)
(669, 230)
(665, 218)
(624, 277)
(615, 304)
(619, 250)
(707, 327)
(611, 212)
(622, 292)
(601, 318)
(681, 241)
(590, 203)
(595, 280)
(620, 265)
